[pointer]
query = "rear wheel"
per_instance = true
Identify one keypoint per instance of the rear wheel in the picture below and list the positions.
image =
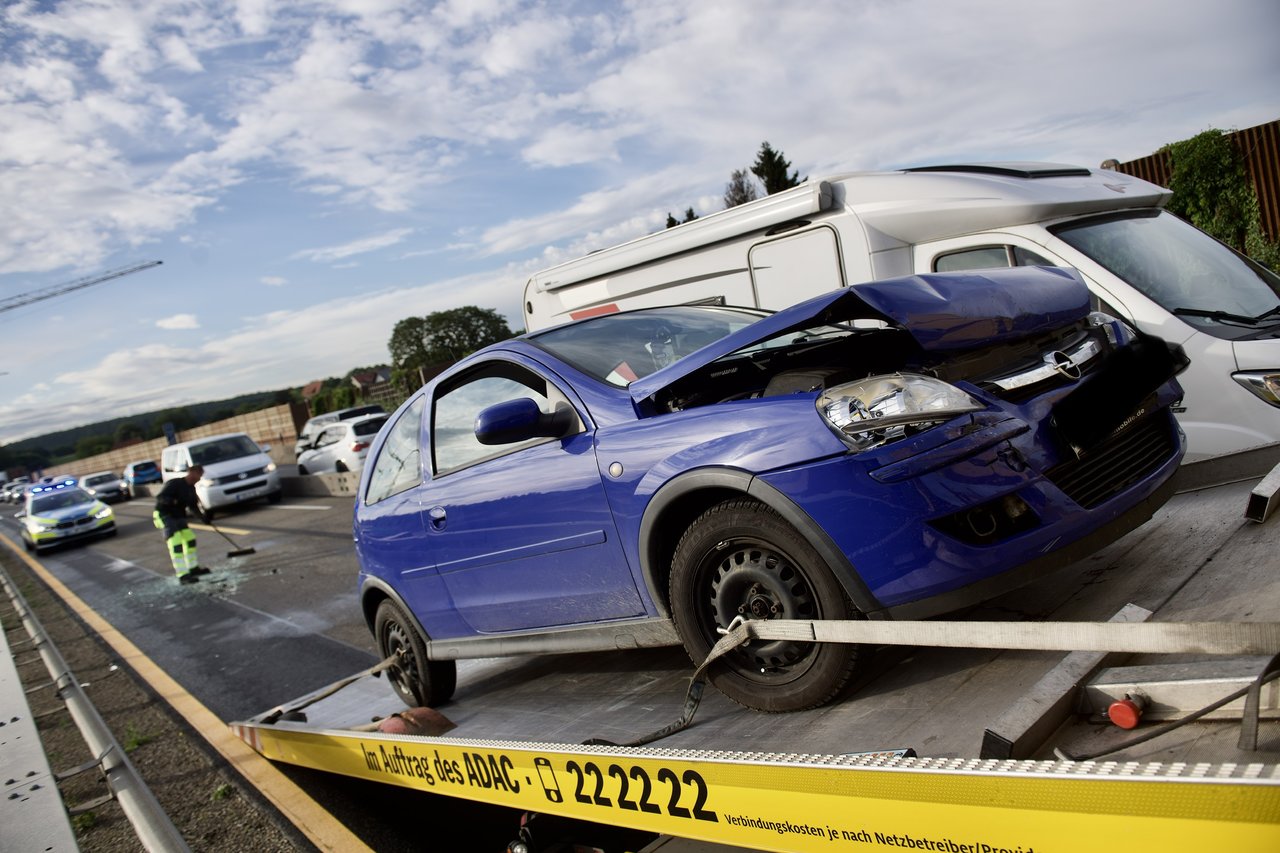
(418, 681)
(302, 471)
(740, 558)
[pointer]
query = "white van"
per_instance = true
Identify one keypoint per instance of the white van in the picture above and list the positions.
(236, 469)
(1141, 263)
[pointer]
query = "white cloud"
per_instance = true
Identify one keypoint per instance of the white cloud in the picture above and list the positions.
(178, 321)
(355, 247)
(274, 280)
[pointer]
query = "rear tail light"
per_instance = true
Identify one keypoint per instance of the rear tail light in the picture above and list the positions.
(357, 446)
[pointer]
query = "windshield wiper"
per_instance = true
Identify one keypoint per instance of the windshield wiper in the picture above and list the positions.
(1220, 316)
(1268, 313)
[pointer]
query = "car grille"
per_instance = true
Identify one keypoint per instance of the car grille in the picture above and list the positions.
(77, 522)
(246, 486)
(243, 475)
(1117, 463)
(1035, 378)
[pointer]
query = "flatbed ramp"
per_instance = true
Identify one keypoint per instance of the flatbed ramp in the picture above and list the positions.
(846, 775)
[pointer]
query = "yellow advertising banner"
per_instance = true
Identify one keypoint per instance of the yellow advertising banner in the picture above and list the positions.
(814, 803)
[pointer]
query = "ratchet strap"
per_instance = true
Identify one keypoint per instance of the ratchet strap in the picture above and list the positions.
(1212, 638)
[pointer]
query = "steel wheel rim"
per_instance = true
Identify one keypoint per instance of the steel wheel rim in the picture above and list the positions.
(404, 672)
(756, 580)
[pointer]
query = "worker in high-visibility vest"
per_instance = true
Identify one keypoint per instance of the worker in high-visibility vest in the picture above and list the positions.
(175, 498)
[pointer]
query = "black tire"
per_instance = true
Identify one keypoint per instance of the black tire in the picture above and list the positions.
(741, 558)
(418, 681)
(340, 467)
(302, 471)
(276, 496)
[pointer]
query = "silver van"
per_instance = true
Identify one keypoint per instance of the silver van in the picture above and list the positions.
(236, 469)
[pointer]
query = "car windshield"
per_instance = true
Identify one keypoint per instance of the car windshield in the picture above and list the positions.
(232, 447)
(1184, 270)
(99, 479)
(621, 348)
(58, 500)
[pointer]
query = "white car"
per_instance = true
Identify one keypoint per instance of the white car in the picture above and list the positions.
(341, 446)
(105, 486)
(60, 512)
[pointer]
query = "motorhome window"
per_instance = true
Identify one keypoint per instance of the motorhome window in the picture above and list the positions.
(1182, 269)
(989, 257)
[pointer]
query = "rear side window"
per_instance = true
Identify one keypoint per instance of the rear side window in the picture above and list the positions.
(370, 427)
(399, 463)
(989, 257)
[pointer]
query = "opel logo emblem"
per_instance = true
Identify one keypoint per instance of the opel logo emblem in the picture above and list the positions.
(1064, 364)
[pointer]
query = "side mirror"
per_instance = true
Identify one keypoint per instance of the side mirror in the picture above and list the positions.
(266, 448)
(520, 420)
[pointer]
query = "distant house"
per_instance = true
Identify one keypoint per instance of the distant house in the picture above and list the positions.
(370, 382)
(311, 389)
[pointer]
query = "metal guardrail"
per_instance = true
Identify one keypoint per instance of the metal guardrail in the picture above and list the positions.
(155, 830)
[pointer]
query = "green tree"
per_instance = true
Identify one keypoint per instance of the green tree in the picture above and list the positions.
(408, 344)
(442, 337)
(1212, 190)
(771, 169)
(740, 189)
(689, 216)
(128, 433)
(92, 445)
(1211, 187)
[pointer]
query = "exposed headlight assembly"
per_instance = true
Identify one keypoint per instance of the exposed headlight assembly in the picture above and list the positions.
(1264, 383)
(882, 409)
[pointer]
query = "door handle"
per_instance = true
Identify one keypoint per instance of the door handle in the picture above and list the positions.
(437, 517)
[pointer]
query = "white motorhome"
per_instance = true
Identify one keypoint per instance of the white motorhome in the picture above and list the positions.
(1141, 262)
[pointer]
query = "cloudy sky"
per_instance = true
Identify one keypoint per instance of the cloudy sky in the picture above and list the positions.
(312, 172)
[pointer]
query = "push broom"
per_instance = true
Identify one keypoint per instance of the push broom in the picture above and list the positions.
(236, 551)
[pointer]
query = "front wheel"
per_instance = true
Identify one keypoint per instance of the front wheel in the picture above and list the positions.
(418, 681)
(740, 558)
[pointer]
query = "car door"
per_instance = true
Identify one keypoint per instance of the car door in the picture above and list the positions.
(388, 528)
(522, 534)
(327, 446)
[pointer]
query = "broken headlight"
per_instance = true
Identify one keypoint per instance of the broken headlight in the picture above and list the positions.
(882, 409)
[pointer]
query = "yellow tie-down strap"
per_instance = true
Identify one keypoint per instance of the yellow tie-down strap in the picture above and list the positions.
(820, 802)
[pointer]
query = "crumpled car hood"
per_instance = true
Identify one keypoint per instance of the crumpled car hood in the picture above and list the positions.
(941, 311)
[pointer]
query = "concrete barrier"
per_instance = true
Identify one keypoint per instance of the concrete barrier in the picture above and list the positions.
(310, 485)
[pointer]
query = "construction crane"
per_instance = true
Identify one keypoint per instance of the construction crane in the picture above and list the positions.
(9, 303)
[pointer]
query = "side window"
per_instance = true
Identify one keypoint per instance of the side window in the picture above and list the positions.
(985, 258)
(1027, 258)
(989, 257)
(453, 436)
(329, 436)
(399, 463)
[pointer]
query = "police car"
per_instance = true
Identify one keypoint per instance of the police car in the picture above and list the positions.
(61, 511)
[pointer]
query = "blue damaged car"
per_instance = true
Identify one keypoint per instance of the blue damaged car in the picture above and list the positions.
(896, 449)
